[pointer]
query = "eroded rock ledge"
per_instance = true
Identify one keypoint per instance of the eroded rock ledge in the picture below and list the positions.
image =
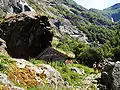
(26, 34)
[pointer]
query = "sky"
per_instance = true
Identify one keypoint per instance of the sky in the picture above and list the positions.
(97, 4)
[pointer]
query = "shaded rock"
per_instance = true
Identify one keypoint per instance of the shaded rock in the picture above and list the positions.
(26, 34)
(110, 76)
(116, 76)
(102, 87)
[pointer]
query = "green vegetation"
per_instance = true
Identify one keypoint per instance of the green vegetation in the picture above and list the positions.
(106, 44)
(103, 35)
(4, 61)
(34, 61)
(114, 11)
(48, 87)
(73, 78)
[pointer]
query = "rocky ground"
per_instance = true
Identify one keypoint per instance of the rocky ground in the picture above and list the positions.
(110, 77)
(91, 81)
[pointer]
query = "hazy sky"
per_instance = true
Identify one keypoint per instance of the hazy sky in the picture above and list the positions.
(98, 4)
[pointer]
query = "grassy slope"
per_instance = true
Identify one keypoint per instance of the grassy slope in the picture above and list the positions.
(71, 77)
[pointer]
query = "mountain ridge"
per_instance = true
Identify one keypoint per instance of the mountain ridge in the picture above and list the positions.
(114, 12)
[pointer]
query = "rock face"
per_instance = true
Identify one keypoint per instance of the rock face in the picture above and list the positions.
(65, 28)
(26, 34)
(15, 6)
(111, 75)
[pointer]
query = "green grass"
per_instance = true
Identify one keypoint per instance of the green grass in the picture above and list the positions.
(34, 61)
(73, 78)
(86, 68)
(48, 87)
(4, 61)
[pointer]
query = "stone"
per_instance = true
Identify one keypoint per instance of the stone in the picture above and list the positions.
(2, 43)
(53, 77)
(77, 70)
(3, 46)
(15, 6)
(5, 81)
(26, 34)
(110, 76)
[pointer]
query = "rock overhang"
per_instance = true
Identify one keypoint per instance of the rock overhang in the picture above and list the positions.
(26, 34)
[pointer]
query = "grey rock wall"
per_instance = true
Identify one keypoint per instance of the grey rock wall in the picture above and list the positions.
(15, 6)
(110, 76)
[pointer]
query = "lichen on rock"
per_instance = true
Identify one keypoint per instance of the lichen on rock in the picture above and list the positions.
(27, 74)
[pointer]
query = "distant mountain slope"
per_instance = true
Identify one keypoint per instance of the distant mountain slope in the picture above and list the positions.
(114, 12)
(67, 17)
(101, 13)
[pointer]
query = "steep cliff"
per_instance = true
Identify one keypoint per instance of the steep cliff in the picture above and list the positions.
(15, 6)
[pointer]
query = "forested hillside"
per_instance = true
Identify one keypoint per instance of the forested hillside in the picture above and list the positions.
(114, 12)
(90, 34)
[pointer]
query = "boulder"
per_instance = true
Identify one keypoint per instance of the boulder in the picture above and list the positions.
(110, 76)
(52, 76)
(2, 43)
(26, 34)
